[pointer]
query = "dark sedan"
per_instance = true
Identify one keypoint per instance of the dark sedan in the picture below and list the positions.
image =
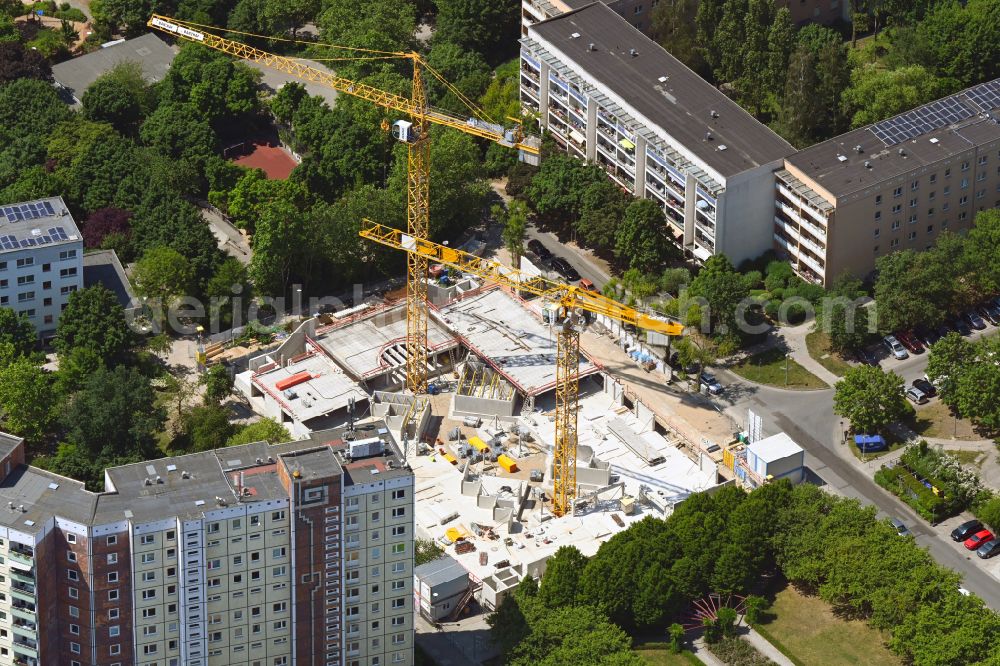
(989, 549)
(925, 387)
(960, 326)
(539, 250)
(563, 268)
(965, 530)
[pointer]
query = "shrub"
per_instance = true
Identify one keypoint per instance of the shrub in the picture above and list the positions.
(738, 652)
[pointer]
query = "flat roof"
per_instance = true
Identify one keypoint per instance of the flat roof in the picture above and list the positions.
(374, 343)
(43, 495)
(8, 443)
(328, 390)
(680, 104)
(152, 53)
(103, 267)
(509, 334)
(775, 447)
(37, 223)
(899, 145)
(443, 569)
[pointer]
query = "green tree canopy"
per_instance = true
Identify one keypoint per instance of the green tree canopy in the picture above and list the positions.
(947, 359)
(561, 582)
(674, 27)
(179, 132)
(870, 397)
(876, 94)
(724, 289)
(17, 62)
(162, 274)
(28, 400)
(641, 238)
(265, 430)
(574, 635)
(602, 209)
(487, 26)
(206, 427)
(94, 319)
(18, 331)
(120, 98)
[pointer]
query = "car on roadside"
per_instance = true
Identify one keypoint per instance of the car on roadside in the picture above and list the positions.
(709, 381)
(966, 529)
(865, 357)
(900, 527)
(926, 336)
(942, 330)
(895, 348)
(974, 320)
(916, 396)
(909, 340)
(925, 387)
(960, 326)
(539, 250)
(562, 267)
(587, 285)
(978, 539)
(989, 549)
(988, 314)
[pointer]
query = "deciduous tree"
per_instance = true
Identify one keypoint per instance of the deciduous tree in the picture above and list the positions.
(265, 430)
(17, 330)
(162, 275)
(561, 583)
(94, 319)
(27, 399)
(487, 26)
(870, 397)
(723, 288)
(641, 240)
(17, 62)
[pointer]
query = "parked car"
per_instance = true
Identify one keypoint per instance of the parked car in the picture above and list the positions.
(708, 380)
(965, 530)
(925, 387)
(895, 348)
(916, 396)
(974, 320)
(978, 539)
(960, 326)
(927, 336)
(909, 340)
(563, 268)
(901, 528)
(986, 312)
(989, 549)
(865, 357)
(942, 331)
(539, 250)
(587, 285)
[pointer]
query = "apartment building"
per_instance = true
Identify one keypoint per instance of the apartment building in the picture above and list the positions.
(640, 12)
(41, 260)
(893, 185)
(613, 97)
(257, 555)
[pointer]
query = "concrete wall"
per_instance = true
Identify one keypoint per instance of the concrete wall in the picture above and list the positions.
(745, 219)
(465, 405)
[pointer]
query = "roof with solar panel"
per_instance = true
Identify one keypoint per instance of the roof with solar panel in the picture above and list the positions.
(929, 134)
(38, 223)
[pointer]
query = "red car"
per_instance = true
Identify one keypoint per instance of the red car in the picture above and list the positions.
(910, 341)
(978, 539)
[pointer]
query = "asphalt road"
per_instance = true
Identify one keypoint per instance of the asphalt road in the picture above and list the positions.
(915, 366)
(579, 260)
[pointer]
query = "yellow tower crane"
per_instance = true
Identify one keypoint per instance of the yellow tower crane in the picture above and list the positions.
(414, 132)
(571, 303)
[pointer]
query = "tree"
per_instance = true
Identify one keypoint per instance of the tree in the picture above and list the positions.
(501, 97)
(94, 319)
(17, 62)
(989, 512)
(727, 621)
(74, 369)
(119, 97)
(162, 275)
(780, 46)
(229, 292)
(755, 607)
(465, 71)
(555, 191)
(756, 55)
(641, 239)
(29, 107)
(602, 208)
(724, 289)
(675, 28)
(27, 399)
(847, 326)
(17, 331)
(870, 397)
(264, 430)
(948, 358)
(284, 15)
(104, 223)
(129, 16)
(114, 414)
(729, 40)
(561, 581)
(179, 132)
(876, 94)
(218, 384)
(910, 289)
(509, 622)
(278, 242)
(379, 24)
(676, 634)
(216, 86)
(574, 635)
(707, 19)
(971, 386)
(801, 109)
(982, 248)
(487, 26)
(515, 222)
(206, 427)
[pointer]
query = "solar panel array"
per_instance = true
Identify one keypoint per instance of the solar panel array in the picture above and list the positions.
(986, 95)
(922, 120)
(28, 211)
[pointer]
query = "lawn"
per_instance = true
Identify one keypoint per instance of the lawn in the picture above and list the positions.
(658, 654)
(807, 631)
(769, 367)
(818, 344)
(967, 457)
(935, 420)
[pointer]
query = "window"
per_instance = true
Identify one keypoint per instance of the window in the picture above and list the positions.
(74, 629)
(213, 528)
(27, 261)
(876, 233)
(965, 183)
(965, 166)
(148, 558)
(399, 512)
(398, 567)
(912, 236)
(878, 215)
(964, 200)
(278, 552)
(398, 603)
(980, 194)
(113, 614)
(398, 621)
(114, 630)
(913, 203)
(67, 289)
(913, 218)
(933, 178)
(113, 577)
(149, 594)
(25, 296)
(148, 576)
(400, 530)
(279, 607)
(67, 272)
(214, 564)
(149, 612)
(116, 649)
(878, 199)
(962, 216)
(277, 515)
(72, 574)
(147, 539)
(74, 611)
(898, 192)
(25, 279)
(945, 206)
(149, 649)
(398, 585)
(67, 254)
(3, 265)
(930, 211)
(74, 647)
(947, 190)
(914, 186)
(30, 312)
(897, 208)
(280, 625)
(278, 571)
(73, 593)
(237, 560)
(71, 556)
(983, 159)
(981, 176)
(930, 228)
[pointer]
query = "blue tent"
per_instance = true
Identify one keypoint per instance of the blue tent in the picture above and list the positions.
(870, 443)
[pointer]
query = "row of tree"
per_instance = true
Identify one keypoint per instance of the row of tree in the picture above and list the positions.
(968, 378)
(727, 542)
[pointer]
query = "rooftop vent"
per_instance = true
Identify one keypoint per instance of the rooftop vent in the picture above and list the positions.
(10, 505)
(633, 53)
(663, 79)
(708, 136)
(841, 158)
(220, 501)
(22, 509)
(713, 113)
(147, 482)
(575, 35)
(902, 153)
(723, 146)
(934, 140)
(270, 459)
(185, 475)
(858, 149)
(260, 461)
(868, 165)
(592, 46)
(159, 479)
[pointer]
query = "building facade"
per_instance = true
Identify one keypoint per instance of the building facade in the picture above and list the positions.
(611, 96)
(257, 555)
(41, 260)
(893, 185)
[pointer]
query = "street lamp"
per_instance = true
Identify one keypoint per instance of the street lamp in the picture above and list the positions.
(843, 433)
(786, 369)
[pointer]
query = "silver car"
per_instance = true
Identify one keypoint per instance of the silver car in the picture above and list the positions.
(895, 347)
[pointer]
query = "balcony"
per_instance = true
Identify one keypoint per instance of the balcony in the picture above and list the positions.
(23, 614)
(26, 595)
(26, 632)
(22, 577)
(22, 557)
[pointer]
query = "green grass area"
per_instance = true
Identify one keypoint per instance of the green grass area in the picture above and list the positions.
(892, 439)
(936, 420)
(769, 367)
(818, 344)
(659, 654)
(806, 630)
(967, 457)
